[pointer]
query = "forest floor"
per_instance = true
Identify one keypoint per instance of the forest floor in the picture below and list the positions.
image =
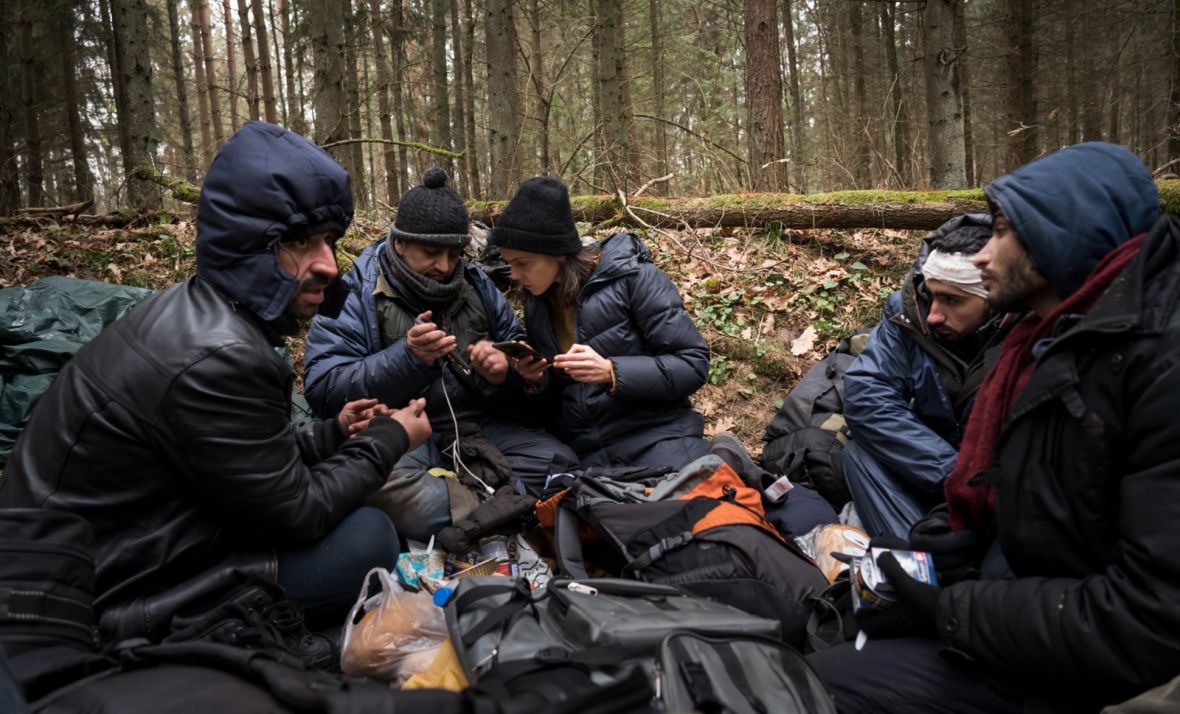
(770, 302)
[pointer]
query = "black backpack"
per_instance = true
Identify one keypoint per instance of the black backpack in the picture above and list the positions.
(806, 438)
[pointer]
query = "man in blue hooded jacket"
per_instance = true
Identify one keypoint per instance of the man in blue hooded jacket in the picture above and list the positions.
(171, 431)
(908, 395)
(420, 320)
(1067, 472)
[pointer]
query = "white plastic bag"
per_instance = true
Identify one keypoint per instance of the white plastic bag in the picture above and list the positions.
(393, 634)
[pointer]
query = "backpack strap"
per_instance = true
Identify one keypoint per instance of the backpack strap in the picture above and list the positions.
(567, 525)
(830, 605)
(657, 551)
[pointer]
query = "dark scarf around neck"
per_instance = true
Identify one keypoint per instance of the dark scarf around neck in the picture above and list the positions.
(430, 294)
(972, 501)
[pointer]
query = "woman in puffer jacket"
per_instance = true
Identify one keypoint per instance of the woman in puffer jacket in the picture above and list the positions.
(622, 354)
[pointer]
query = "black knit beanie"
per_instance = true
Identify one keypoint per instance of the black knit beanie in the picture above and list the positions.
(432, 213)
(538, 219)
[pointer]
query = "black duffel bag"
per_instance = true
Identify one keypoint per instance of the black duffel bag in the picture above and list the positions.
(46, 580)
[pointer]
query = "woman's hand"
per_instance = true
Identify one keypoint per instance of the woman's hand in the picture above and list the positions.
(531, 369)
(585, 365)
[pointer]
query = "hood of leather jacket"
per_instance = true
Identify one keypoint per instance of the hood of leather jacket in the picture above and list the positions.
(267, 184)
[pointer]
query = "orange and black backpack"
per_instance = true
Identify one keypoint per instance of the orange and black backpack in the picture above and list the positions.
(701, 528)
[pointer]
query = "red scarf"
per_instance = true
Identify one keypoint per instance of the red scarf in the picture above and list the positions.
(973, 506)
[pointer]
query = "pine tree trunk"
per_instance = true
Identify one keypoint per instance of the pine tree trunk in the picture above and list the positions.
(264, 72)
(10, 192)
(1021, 101)
(231, 62)
(30, 73)
(178, 75)
(503, 101)
(252, 100)
(1174, 105)
(276, 59)
(473, 155)
(355, 155)
(392, 188)
(657, 90)
(210, 73)
(204, 121)
(863, 145)
(537, 82)
(129, 20)
(441, 131)
(901, 149)
(397, 36)
(943, 103)
(462, 167)
(961, 45)
(796, 101)
(764, 97)
(82, 181)
(618, 125)
(294, 99)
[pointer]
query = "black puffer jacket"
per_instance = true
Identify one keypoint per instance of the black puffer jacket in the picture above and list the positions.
(632, 314)
(171, 431)
(1087, 491)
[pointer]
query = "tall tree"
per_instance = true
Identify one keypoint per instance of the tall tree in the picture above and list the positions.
(960, 32)
(1022, 101)
(943, 103)
(9, 176)
(392, 185)
(796, 100)
(264, 71)
(503, 113)
(252, 99)
(204, 117)
(614, 93)
(31, 70)
(83, 190)
(231, 63)
(129, 18)
(473, 155)
(1174, 95)
(438, 64)
(657, 91)
(294, 103)
(764, 97)
(210, 71)
(397, 36)
(897, 110)
(536, 67)
(355, 155)
(463, 168)
(189, 158)
(863, 144)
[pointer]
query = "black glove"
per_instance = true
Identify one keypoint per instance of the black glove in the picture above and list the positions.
(913, 615)
(956, 553)
(503, 512)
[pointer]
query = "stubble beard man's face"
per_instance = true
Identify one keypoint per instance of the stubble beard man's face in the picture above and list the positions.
(1014, 289)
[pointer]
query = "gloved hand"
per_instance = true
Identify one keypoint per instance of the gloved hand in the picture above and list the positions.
(913, 615)
(956, 553)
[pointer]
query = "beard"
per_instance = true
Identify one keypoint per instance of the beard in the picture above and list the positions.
(1014, 291)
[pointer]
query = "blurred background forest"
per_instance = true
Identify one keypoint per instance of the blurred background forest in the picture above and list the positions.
(724, 96)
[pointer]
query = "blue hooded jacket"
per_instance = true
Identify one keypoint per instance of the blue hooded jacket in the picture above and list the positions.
(271, 186)
(1069, 224)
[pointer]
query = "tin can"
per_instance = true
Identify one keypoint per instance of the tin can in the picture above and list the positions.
(872, 592)
(496, 548)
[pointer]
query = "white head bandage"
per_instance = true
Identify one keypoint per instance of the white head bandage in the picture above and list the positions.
(954, 268)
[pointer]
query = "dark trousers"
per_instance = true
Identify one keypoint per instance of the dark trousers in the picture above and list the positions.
(907, 676)
(326, 577)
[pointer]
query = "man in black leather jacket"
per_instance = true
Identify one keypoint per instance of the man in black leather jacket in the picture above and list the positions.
(171, 432)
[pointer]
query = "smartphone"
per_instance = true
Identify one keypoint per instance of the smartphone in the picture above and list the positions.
(519, 350)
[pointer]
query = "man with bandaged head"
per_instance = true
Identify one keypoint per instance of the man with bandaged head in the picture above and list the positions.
(908, 395)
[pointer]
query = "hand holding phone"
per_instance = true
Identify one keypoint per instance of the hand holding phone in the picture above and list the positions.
(518, 350)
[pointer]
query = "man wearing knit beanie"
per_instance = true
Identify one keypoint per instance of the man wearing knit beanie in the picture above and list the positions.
(1057, 564)
(420, 320)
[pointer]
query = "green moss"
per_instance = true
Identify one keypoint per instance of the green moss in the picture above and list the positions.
(1169, 195)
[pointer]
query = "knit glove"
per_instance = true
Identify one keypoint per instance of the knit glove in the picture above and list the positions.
(956, 553)
(913, 615)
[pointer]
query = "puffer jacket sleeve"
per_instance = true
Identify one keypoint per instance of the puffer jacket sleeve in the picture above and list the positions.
(1121, 625)
(877, 393)
(226, 421)
(677, 361)
(345, 361)
(503, 322)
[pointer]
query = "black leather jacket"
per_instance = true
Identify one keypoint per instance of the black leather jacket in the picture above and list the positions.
(178, 447)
